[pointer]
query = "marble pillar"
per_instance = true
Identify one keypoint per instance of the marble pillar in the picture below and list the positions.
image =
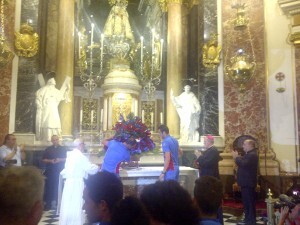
(6, 74)
(65, 60)
(245, 113)
(174, 63)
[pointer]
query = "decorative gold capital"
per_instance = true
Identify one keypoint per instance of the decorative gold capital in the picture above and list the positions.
(295, 38)
(164, 3)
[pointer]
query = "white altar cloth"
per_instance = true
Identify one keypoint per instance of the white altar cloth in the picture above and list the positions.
(142, 176)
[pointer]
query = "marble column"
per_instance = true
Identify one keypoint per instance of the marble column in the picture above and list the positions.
(65, 60)
(174, 63)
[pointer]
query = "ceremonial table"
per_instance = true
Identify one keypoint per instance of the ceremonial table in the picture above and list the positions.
(135, 178)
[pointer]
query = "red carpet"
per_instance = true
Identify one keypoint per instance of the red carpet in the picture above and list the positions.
(236, 204)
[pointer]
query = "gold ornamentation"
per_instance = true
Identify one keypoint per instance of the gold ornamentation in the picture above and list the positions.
(211, 53)
(164, 4)
(121, 105)
(27, 41)
(295, 38)
(241, 70)
(113, 2)
(6, 55)
(240, 22)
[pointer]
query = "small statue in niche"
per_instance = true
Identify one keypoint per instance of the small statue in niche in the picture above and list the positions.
(211, 53)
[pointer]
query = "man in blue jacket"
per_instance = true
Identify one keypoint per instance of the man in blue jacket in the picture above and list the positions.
(247, 178)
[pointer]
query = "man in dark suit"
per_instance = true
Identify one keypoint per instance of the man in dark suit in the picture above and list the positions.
(247, 178)
(208, 161)
(208, 164)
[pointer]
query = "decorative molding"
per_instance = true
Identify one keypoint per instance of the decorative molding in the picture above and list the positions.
(295, 38)
(188, 3)
(290, 7)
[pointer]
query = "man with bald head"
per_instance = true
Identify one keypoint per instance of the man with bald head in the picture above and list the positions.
(247, 178)
(54, 157)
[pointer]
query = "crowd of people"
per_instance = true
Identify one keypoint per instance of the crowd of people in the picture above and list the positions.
(99, 191)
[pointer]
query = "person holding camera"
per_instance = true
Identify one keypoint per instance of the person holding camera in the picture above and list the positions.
(290, 216)
(11, 153)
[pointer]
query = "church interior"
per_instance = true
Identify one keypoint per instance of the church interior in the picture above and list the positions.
(240, 58)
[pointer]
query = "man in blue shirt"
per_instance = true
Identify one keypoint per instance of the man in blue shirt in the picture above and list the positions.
(116, 153)
(170, 148)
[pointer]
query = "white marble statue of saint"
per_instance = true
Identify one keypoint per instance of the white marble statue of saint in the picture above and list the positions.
(188, 109)
(117, 22)
(47, 100)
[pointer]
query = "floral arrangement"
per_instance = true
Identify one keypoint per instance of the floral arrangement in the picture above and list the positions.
(133, 128)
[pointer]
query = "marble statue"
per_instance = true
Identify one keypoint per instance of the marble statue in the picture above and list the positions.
(47, 116)
(188, 109)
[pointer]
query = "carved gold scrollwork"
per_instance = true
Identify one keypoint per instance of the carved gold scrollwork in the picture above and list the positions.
(27, 41)
(295, 38)
(211, 53)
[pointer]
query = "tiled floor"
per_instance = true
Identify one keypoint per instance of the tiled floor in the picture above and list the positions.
(50, 218)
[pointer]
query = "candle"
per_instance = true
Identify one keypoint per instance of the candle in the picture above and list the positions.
(143, 119)
(102, 44)
(79, 37)
(142, 48)
(161, 118)
(92, 116)
(161, 51)
(80, 116)
(101, 51)
(101, 116)
(92, 34)
(153, 40)
(152, 118)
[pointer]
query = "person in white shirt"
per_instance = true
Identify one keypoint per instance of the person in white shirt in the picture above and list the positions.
(11, 153)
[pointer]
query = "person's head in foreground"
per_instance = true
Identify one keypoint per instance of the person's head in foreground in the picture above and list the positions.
(21, 196)
(101, 194)
(208, 193)
(169, 203)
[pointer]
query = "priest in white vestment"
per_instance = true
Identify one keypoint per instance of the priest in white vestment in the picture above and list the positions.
(77, 167)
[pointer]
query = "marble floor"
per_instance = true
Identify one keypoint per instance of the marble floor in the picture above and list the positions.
(50, 218)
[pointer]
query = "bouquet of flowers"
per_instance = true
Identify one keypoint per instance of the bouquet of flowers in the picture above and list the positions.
(133, 128)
